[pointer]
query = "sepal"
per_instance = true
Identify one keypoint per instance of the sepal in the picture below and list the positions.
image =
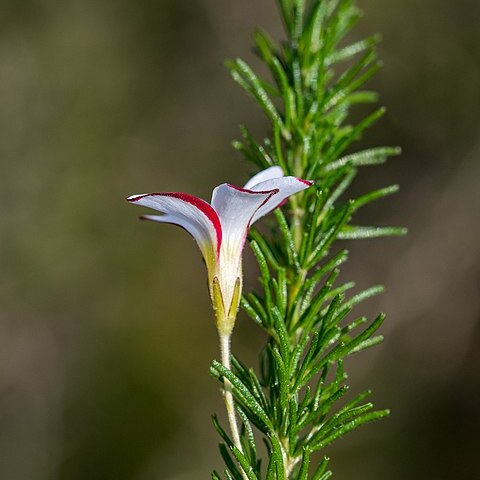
(225, 319)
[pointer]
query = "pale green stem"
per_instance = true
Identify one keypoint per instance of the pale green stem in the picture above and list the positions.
(291, 463)
(227, 393)
(297, 214)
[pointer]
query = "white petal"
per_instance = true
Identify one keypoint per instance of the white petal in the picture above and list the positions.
(236, 207)
(267, 174)
(286, 186)
(189, 212)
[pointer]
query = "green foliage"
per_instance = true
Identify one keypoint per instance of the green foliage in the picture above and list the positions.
(293, 401)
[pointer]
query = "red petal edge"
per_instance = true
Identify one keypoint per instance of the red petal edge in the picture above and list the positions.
(306, 182)
(309, 183)
(246, 190)
(271, 193)
(202, 205)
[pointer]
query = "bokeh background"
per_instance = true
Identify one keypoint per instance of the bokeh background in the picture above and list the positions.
(105, 325)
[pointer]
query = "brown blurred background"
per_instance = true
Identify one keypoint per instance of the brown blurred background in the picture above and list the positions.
(105, 325)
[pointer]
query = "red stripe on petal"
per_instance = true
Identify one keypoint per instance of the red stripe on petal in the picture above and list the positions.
(272, 193)
(285, 200)
(306, 182)
(246, 190)
(202, 205)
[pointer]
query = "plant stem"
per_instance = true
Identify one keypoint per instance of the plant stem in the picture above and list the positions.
(290, 465)
(297, 214)
(227, 393)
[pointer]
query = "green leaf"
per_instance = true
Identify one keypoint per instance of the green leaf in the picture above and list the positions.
(228, 441)
(353, 49)
(232, 468)
(228, 475)
(338, 421)
(303, 474)
(250, 379)
(264, 46)
(350, 81)
(353, 424)
(346, 349)
(372, 156)
(328, 402)
(283, 336)
(353, 232)
(343, 350)
(264, 273)
(268, 53)
(322, 247)
(288, 242)
(320, 472)
(246, 78)
(281, 290)
(351, 134)
(364, 295)
(325, 476)
(262, 244)
(297, 353)
(252, 313)
(316, 303)
(340, 189)
(282, 374)
(307, 244)
(312, 38)
(277, 449)
(287, 14)
(368, 343)
(248, 431)
(246, 467)
(359, 398)
(299, 11)
(253, 151)
(272, 467)
(251, 406)
(331, 316)
(374, 195)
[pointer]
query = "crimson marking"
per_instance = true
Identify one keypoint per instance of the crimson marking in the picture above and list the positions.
(202, 205)
(306, 182)
(246, 190)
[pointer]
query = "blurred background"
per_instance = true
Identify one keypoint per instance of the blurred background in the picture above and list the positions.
(106, 333)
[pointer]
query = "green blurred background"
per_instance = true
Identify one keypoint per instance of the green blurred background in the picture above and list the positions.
(105, 324)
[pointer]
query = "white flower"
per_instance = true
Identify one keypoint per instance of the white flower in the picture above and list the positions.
(220, 229)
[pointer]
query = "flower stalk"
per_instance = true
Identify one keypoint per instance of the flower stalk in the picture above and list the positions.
(227, 392)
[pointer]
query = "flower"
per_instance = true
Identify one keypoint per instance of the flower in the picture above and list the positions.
(220, 229)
